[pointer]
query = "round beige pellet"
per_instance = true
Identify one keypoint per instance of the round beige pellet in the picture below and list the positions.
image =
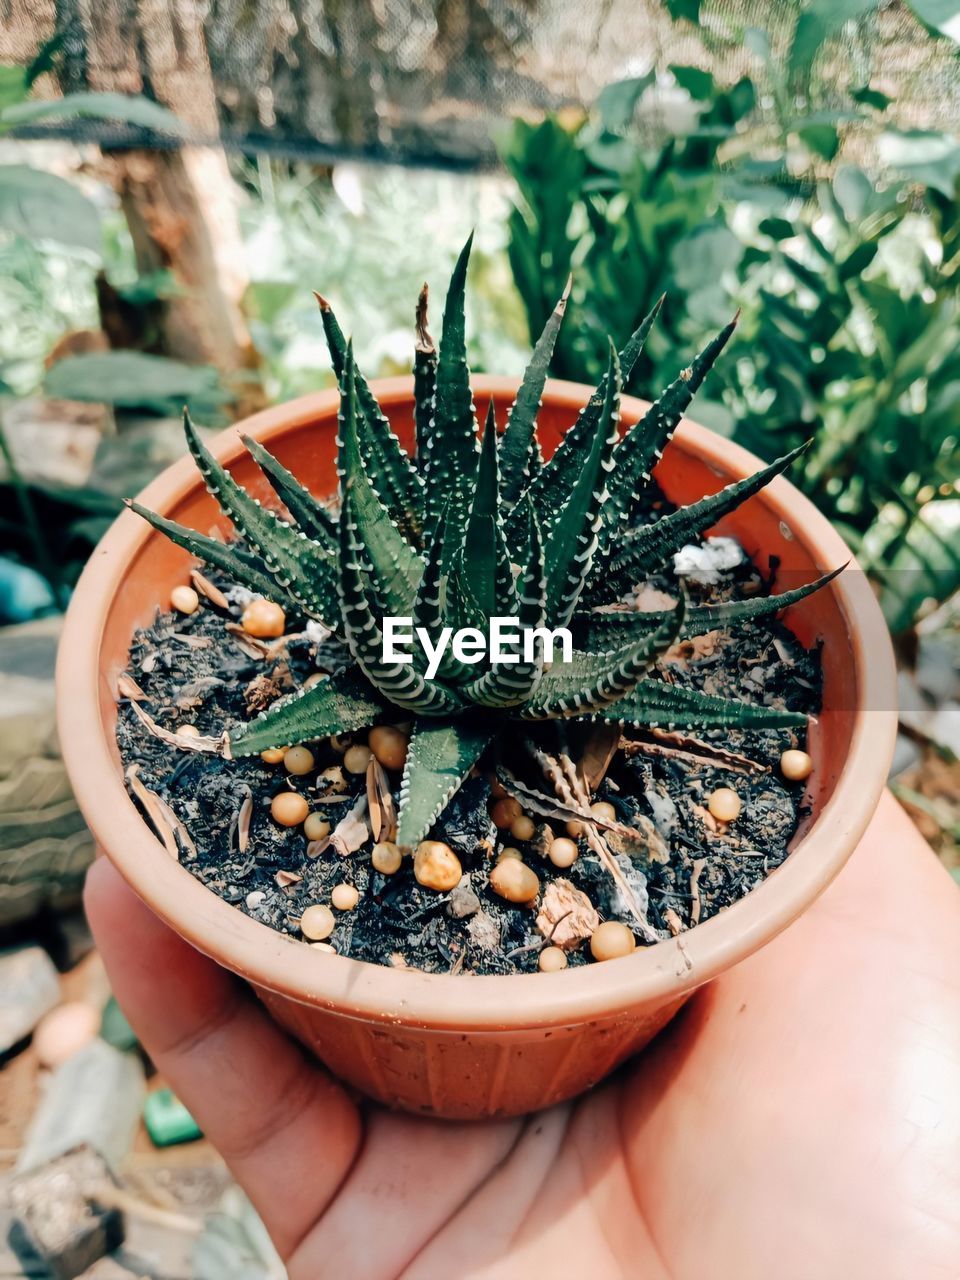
(64, 1031)
(523, 828)
(298, 761)
(263, 619)
(508, 851)
(323, 946)
(505, 813)
(796, 766)
(344, 896)
(273, 755)
(552, 960)
(356, 759)
(515, 881)
(340, 742)
(316, 827)
(436, 866)
(317, 922)
(575, 828)
(386, 858)
(389, 745)
(310, 681)
(603, 809)
(188, 731)
(611, 940)
(563, 852)
(724, 804)
(184, 600)
(288, 808)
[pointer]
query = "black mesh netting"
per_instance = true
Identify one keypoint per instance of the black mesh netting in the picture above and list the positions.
(429, 82)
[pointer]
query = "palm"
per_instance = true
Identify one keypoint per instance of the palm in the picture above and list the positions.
(800, 1119)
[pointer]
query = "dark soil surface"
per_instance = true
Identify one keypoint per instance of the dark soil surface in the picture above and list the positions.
(192, 670)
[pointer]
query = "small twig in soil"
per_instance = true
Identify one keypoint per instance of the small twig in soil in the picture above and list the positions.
(200, 745)
(696, 904)
(128, 688)
(206, 588)
(556, 773)
(155, 810)
(243, 821)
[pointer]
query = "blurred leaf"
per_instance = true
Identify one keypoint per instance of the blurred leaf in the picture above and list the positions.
(868, 97)
(688, 9)
(698, 83)
(822, 139)
(617, 102)
(13, 86)
(42, 206)
(818, 23)
(132, 380)
(925, 156)
(128, 108)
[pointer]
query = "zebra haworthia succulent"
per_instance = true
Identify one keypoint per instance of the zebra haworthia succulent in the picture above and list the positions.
(472, 527)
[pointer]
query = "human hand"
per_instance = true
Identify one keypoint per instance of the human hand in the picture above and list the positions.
(799, 1120)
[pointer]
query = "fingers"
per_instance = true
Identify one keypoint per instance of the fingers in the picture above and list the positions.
(286, 1129)
(820, 1077)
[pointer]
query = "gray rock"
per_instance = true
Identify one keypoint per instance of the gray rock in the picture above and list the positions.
(663, 809)
(94, 1099)
(57, 1215)
(29, 988)
(463, 902)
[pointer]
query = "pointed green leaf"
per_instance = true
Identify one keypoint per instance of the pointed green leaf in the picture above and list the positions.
(550, 488)
(643, 445)
(424, 378)
(300, 565)
(440, 755)
(339, 703)
(428, 610)
(450, 445)
(519, 450)
(650, 547)
(309, 513)
(511, 684)
(400, 682)
(572, 690)
(391, 472)
(654, 703)
(396, 567)
(240, 565)
(598, 629)
(573, 536)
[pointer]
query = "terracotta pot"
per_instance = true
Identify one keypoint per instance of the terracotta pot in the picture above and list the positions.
(476, 1046)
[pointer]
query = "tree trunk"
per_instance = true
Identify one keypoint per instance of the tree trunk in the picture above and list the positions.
(180, 205)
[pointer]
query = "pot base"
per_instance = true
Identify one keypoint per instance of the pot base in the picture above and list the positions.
(469, 1075)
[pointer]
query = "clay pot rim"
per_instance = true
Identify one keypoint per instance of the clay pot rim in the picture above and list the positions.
(467, 1002)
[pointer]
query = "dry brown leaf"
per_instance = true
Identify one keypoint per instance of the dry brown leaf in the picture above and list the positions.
(128, 688)
(351, 832)
(383, 811)
(157, 812)
(566, 916)
(674, 923)
(600, 749)
(243, 820)
(264, 689)
(206, 588)
(201, 745)
(696, 902)
(287, 878)
(692, 649)
(191, 641)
